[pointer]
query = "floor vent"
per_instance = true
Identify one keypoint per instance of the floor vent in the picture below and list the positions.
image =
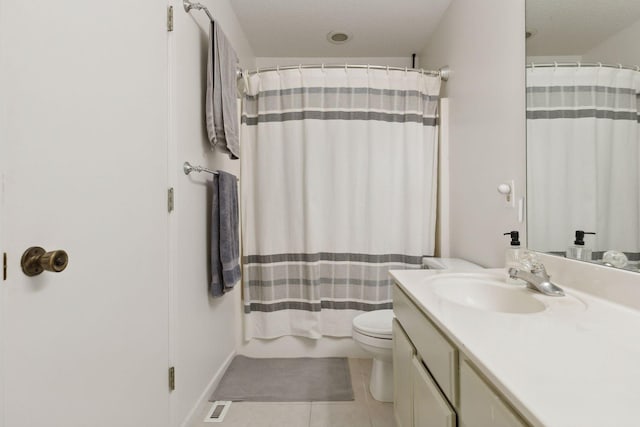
(218, 411)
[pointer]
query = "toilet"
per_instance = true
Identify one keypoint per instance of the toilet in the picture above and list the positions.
(372, 331)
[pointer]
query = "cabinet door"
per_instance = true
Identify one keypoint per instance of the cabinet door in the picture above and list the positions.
(480, 406)
(403, 353)
(433, 347)
(430, 407)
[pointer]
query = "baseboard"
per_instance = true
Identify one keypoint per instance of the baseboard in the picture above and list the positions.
(195, 411)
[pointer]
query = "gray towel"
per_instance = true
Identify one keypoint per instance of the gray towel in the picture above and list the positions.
(225, 253)
(222, 87)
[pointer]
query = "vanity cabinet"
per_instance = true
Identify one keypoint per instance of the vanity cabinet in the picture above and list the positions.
(435, 385)
(430, 407)
(403, 355)
(418, 400)
(480, 405)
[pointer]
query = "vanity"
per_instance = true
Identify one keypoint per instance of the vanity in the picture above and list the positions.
(471, 350)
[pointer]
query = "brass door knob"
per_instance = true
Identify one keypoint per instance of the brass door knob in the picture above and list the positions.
(35, 260)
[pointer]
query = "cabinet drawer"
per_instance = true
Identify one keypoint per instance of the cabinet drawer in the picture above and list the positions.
(480, 406)
(438, 354)
(430, 407)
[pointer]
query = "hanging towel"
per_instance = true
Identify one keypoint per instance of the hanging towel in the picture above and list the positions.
(221, 108)
(225, 254)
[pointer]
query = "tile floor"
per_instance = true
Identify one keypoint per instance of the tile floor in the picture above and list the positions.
(364, 411)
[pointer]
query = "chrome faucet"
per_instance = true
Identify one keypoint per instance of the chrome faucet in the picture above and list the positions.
(537, 280)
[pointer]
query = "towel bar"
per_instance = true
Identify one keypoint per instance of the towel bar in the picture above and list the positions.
(188, 5)
(187, 168)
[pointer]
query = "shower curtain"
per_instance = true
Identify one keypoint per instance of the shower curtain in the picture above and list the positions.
(583, 137)
(339, 186)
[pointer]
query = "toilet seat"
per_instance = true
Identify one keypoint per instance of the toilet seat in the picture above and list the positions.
(375, 324)
(375, 342)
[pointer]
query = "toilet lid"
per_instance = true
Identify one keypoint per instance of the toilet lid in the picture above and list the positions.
(375, 323)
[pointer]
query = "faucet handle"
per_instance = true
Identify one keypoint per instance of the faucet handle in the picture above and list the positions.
(529, 261)
(540, 270)
(512, 272)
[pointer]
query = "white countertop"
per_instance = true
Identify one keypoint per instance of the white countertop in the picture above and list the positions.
(571, 365)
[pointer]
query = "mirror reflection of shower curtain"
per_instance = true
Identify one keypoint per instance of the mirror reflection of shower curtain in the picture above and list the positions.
(583, 157)
(338, 186)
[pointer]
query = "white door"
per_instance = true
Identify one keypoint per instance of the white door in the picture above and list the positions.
(83, 152)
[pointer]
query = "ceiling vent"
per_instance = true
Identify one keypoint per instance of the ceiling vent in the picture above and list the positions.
(338, 37)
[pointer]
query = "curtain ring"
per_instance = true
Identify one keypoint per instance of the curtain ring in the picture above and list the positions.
(278, 69)
(387, 70)
(258, 71)
(579, 64)
(322, 67)
(533, 65)
(422, 71)
(406, 69)
(367, 68)
(300, 68)
(345, 67)
(620, 66)
(600, 64)
(555, 65)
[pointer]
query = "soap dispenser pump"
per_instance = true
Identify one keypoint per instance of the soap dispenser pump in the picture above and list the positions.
(512, 255)
(514, 252)
(579, 250)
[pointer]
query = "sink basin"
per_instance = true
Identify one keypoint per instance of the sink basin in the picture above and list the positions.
(485, 292)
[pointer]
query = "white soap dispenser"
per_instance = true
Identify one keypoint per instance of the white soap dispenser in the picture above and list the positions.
(579, 250)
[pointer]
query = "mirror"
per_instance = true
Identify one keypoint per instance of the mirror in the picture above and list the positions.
(583, 129)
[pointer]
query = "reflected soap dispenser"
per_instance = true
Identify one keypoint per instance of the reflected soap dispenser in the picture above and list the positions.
(579, 250)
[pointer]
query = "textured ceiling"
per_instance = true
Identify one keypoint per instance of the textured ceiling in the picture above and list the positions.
(300, 27)
(572, 27)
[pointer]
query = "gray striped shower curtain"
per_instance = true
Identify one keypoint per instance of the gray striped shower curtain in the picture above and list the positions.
(583, 158)
(338, 187)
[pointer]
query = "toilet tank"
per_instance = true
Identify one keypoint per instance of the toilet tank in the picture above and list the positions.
(433, 263)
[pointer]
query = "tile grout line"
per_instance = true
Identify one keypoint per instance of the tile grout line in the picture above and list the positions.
(366, 398)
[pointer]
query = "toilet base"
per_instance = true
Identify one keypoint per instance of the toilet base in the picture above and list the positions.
(381, 384)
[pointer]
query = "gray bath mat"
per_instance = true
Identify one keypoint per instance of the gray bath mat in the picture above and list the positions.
(286, 380)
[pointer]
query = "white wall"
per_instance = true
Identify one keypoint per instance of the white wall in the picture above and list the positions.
(621, 48)
(551, 59)
(395, 61)
(483, 43)
(202, 328)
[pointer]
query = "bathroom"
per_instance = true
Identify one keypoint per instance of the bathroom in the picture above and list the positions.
(102, 104)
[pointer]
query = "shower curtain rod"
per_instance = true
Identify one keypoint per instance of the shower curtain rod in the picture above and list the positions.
(188, 5)
(443, 72)
(583, 64)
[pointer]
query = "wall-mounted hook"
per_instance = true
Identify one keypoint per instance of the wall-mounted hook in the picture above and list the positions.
(508, 190)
